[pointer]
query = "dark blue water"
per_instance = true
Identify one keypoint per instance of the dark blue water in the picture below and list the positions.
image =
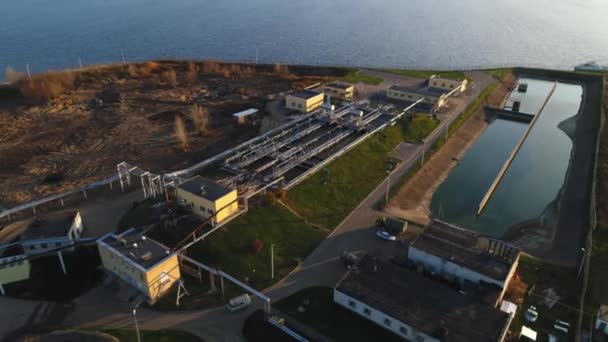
(413, 33)
(533, 179)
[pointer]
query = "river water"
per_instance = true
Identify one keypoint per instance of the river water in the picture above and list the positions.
(440, 34)
(535, 176)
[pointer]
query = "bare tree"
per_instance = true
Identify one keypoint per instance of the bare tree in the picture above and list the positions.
(200, 118)
(192, 73)
(13, 76)
(47, 86)
(132, 69)
(170, 77)
(181, 133)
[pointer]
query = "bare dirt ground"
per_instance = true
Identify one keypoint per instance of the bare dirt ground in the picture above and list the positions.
(412, 201)
(106, 115)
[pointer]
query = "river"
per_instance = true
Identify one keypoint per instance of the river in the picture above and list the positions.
(439, 34)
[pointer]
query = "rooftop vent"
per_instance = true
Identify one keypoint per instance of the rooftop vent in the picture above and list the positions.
(143, 238)
(146, 256)
(203, 190)
(135, 245)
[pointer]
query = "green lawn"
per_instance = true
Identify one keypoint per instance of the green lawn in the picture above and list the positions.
(331, 320)
(329, 195)
(354, 76)
(419, 127)
(231, 247)
(152, 335)
(499, 73)
(424, 74)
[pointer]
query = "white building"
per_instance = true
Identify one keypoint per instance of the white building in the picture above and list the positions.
(462, 255)
(431, 96)
(447, 84)
(418, 308)
(601, 322)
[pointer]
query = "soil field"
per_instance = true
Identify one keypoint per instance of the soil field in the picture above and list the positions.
(413, 199)
(59, 131)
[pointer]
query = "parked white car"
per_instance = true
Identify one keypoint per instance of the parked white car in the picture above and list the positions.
(531, 314)
(238, 303)
(385, 235)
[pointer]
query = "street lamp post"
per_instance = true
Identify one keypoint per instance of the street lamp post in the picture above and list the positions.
(272, 261)
(423, 151)
(136, 325)
(388, 184)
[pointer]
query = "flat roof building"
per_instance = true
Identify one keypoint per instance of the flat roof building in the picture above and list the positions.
(245, 116)
(208, 198)
(140, 261)
(431, 96)
(418, 308)
(340, 90)
(44, 232)
(448, 84)
(304, 101)
(459, 254)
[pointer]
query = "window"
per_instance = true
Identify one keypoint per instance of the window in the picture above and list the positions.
(352, 304)
(44, 245)
(443, 85)
(202, 208)
(388, 322)
(420, 339)
(403, 330)
(367, 311)
(293, 104)
(57, 244)
(210, 211)
(299, 105)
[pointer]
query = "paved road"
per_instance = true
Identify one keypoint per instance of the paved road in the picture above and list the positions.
(321, 268)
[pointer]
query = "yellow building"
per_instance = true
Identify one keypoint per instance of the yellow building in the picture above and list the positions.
(340, 90)
(140, 261)
(414, 94)
(304, 101)
(448, 84)
(208, 198)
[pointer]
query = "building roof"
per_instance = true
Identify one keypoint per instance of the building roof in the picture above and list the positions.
(427, 305)
(424, 91)
(138, 248)
(245, 112)
(603, 313)
(40, 227)
(467, 249)
(212, 190)
(306, 94)
(339, 85)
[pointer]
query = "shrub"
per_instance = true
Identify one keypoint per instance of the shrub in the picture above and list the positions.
(192, 73)
(200, 118)
(181, 133)
(170, 77)
(257, 246)
(13, 76)
(46, 86)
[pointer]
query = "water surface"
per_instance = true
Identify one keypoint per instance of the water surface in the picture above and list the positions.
(414, 33)
(534, 178)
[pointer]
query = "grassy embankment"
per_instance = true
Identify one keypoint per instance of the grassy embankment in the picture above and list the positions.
(598, 281)
(152, 335)
(327, 197)
(330, 319)
(424, 74)
(354, 76)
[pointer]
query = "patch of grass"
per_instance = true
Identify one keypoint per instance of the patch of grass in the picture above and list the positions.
(354, 76)
(138, 215)
(329, 195)
(152, 335)
(232, 247)
(424, 74)
(419, 127)
(331, 320)
(499, 73)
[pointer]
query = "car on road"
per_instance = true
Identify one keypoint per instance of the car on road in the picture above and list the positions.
(385, 235)
(238, 303)
(531, 314)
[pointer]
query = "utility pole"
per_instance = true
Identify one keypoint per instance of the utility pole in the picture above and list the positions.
(423, 151)
(272, 261)
(27, 68)
(388, 184)
(122, 55)
(136, 324)
(80, 64)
